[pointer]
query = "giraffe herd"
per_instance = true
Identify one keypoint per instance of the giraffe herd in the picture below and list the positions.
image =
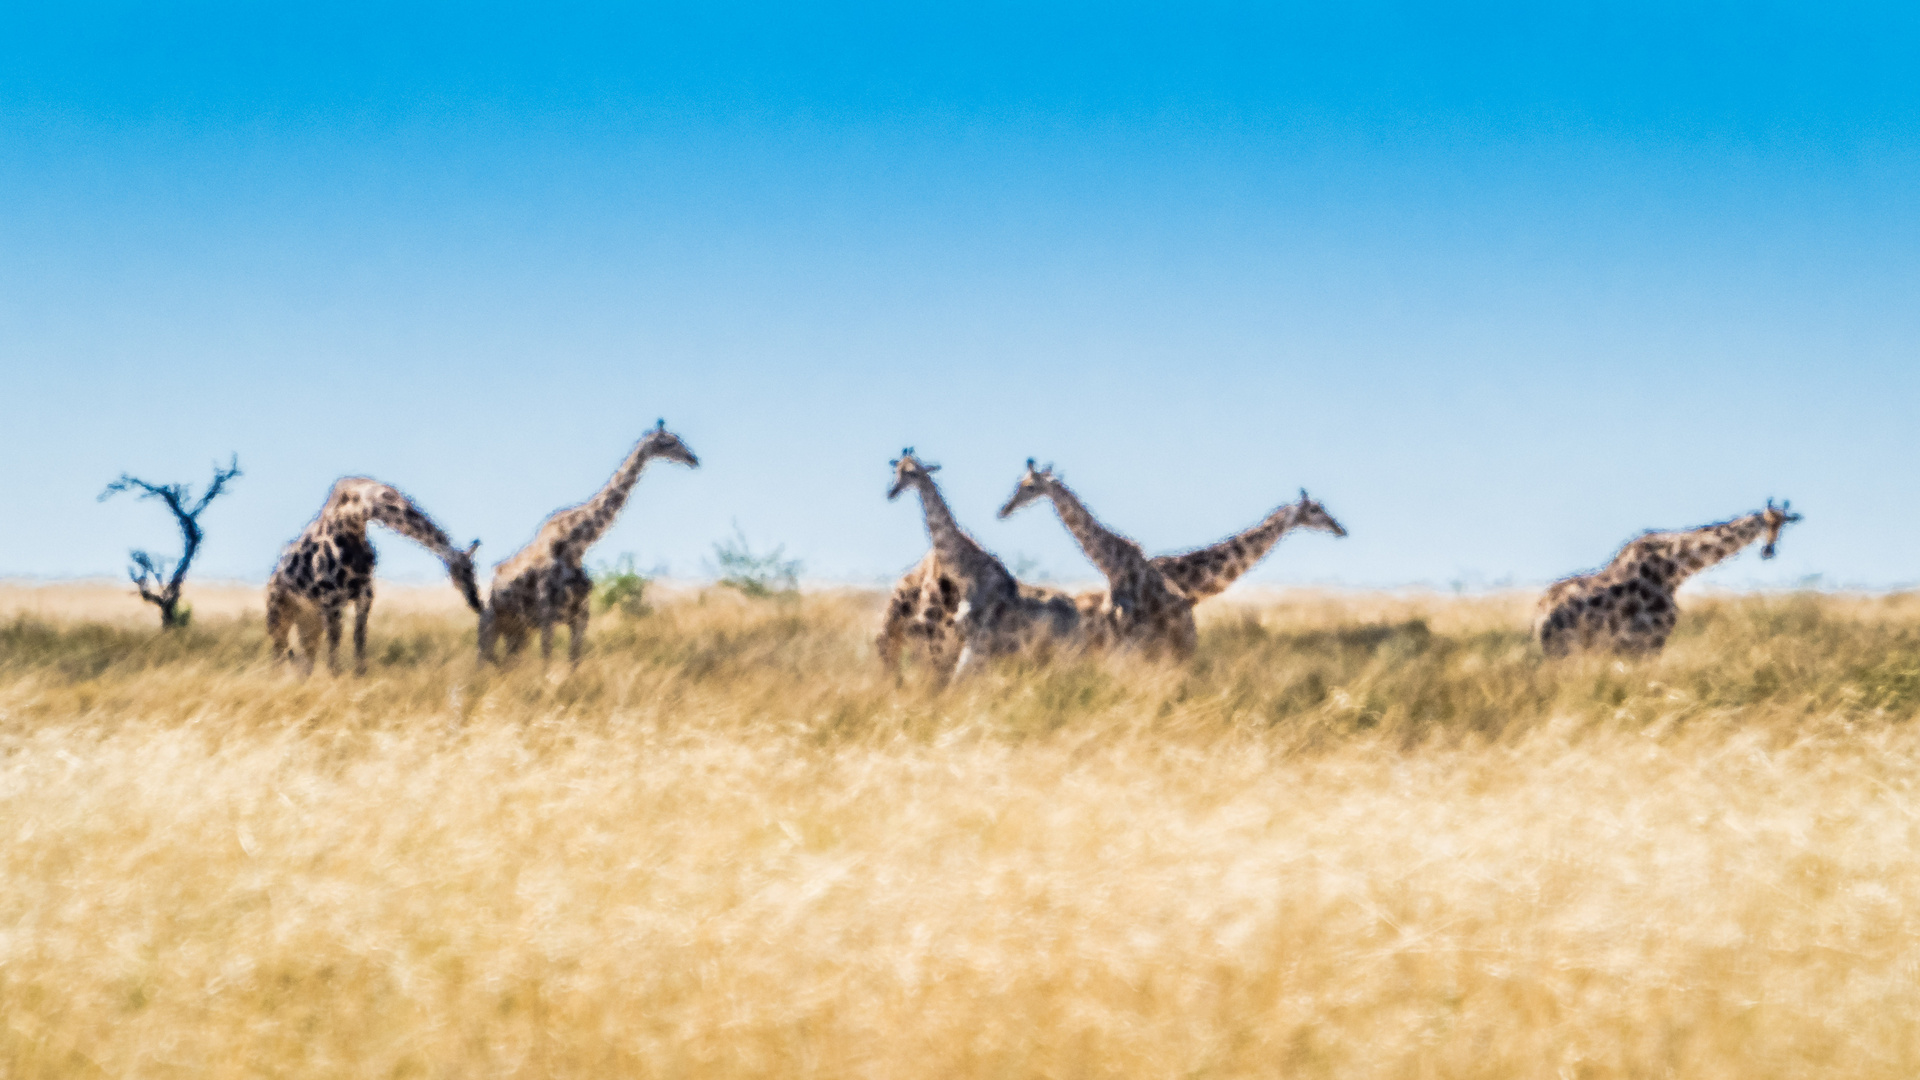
(959, 605)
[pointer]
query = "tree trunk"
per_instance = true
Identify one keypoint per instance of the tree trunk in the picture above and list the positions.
(171, 617)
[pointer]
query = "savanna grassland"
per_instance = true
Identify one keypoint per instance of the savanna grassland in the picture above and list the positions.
(1358, 835)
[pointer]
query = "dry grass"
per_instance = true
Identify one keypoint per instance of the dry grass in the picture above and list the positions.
(1358, 836)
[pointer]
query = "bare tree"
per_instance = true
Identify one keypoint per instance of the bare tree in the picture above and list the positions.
(150, 573)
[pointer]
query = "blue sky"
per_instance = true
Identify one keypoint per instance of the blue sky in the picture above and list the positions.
(1501, 286)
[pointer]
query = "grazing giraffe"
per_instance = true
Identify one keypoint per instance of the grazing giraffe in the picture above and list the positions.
(1207, 571)
(330, 564)
(544, 583)
(1628, 606)
(959, 600)
(1139, 608)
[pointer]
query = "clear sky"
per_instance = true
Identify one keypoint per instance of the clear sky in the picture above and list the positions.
(1502, 285)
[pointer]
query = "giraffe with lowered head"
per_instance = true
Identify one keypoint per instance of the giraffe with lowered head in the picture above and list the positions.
(1207, 571)
(1628, 606)
(330, 564)
(545, 582)
(960, 601)
(1139, 608)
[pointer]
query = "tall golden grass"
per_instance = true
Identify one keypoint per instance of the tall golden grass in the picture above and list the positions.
(1358, 835)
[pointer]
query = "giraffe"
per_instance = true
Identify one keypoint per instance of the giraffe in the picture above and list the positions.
(1207, 571)
(926, 601)
(331, 564)
(1139, 608)
(1628, 606)
(921, 611)
(960, 600)
(544, 582)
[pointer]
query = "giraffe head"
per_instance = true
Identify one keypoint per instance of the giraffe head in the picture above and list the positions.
(662, 443)
(1775, 518)
(460, 569)
(1309, 514)
(1034, 484)
(908, 471)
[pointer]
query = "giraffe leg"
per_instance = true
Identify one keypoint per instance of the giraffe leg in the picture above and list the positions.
(941, 651)
(547, 611)
(576, 634)
(362, 606)
(960, 663)
(486, 636)
(1185, 638)
(905, 617)
(311, 626)
(898, 631)
(279, 628)
(331, 614)
(887, 641)
(930, 618)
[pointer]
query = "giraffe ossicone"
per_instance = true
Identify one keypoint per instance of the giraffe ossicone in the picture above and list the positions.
(1766, 550)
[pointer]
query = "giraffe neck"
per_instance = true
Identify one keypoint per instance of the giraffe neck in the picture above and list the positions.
(950, 541)
(1112, 553)
(593, 518)
(1684, 554)
(1208, 571)
(399, 514)
(356, 501)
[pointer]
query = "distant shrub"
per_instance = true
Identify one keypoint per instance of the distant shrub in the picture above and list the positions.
(620, 584)
(1027, 568)
(759, 575)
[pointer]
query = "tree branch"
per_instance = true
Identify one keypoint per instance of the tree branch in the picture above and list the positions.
(219, 484)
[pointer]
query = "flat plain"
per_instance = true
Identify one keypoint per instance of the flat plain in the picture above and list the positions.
(1358, 835)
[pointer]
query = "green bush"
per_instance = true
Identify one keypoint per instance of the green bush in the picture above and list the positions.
(759, 575)
(621, 585)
